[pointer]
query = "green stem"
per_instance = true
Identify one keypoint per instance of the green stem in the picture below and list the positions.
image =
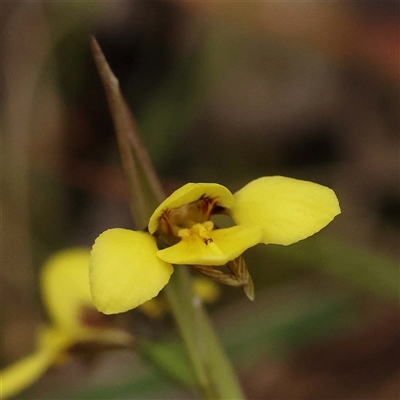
(180, 299)
(213, 369)
(215, 376)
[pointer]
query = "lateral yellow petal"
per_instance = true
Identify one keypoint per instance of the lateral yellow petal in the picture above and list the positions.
(65, 287)
(125, 271)
(287, 210)
(189, 193)
(54, 339)
(225, 245)
(23, 373)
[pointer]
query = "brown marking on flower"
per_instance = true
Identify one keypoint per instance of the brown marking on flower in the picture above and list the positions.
(207, 240)
(92, 318)
(207, 206)
(165, 223)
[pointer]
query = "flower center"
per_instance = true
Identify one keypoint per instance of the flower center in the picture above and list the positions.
(200, 230)
(189, 219)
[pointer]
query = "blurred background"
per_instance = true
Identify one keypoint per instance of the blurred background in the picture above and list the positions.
(222, 92)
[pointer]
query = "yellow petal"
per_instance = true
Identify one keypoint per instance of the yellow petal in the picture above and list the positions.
(125, 271)
(226, 245)
(65, 287)
(287, 210)
(25, 372)
(189, 193)
(206, 289)
(54, 339)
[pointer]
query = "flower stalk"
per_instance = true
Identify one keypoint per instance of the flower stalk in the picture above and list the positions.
(215, 376)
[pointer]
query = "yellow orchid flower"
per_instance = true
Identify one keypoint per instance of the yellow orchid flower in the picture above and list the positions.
(127, 268)
(73, 320)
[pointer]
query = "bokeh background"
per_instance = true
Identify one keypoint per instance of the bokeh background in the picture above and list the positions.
(222, 92)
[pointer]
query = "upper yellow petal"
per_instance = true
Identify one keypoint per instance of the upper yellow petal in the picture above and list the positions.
(225, 245)
(189, 193)
(287, 210)
(23, 373)
(65, 287)
(125, 271)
